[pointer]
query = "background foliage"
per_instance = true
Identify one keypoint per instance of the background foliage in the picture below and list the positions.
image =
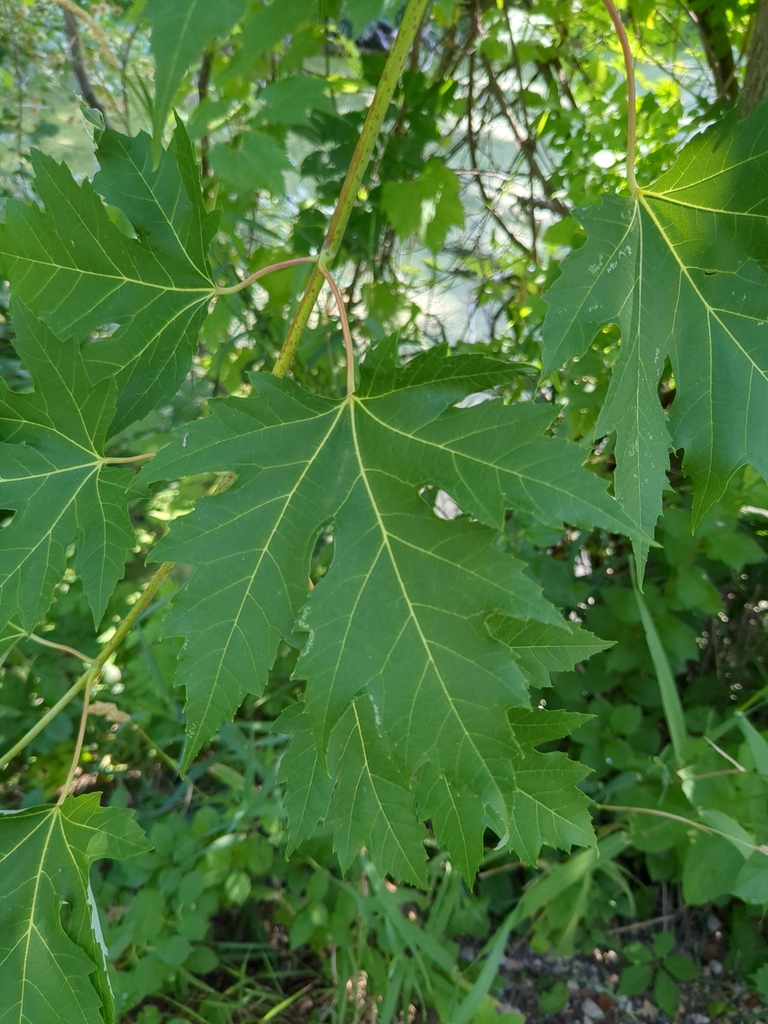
(507, 118)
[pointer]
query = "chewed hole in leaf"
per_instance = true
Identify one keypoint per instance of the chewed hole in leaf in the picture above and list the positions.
(441, 503)
(322, 556)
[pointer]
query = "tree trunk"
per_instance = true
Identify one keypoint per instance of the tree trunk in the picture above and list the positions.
(756, 82)
(712, 23)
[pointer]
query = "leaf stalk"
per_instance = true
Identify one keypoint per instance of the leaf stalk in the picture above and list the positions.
(97, 665)
(618, 24)
(385, 90)
(349, 345)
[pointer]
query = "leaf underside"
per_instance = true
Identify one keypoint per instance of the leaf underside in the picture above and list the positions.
(405, 679)
(676, 268)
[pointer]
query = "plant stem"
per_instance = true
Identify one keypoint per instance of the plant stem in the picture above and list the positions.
(690, 822)
(282, 265)
(78, 12)
(348, 343)
(91, 674)
(385, 90)
(631, 94)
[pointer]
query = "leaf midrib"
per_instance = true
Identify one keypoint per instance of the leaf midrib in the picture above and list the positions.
(354, 403)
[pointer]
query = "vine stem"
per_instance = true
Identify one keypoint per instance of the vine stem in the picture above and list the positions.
(349, 345)
(94, 671)
(385, 90)
(618, 24)
(619, 808)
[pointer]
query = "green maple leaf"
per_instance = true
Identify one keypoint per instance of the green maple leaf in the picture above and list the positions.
(53, 964)
(309, 787)
(77, 271)
(402, 613)
(547, 806)
(540, 649)
(372, 803)
(671, 267)
(55, 479)
(181, 32)
(428, 205)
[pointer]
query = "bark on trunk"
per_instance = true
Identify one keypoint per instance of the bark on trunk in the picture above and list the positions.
(755, 89)
(78, 65)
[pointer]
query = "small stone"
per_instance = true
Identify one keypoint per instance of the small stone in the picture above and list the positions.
(698, 1018)
(591, 1010)
(648, 1010)
(573, 986)
(714, 924)
(715, 967)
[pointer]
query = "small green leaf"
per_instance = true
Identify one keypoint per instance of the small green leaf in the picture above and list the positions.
(288, 100)
(666, 993)
(680, 967)
(427, 206)
(554, 999)
(181, 32)
(757, 744)
(635, 979)
(663, 943)
(638, 953)
(258, 164)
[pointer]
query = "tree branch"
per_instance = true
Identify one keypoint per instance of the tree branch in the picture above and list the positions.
(78, 65)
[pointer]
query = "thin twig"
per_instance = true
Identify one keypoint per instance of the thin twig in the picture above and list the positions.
(385, 90)
(619, 808)
(95, 27)
(78, 66)
(92, 673)
(637, 925)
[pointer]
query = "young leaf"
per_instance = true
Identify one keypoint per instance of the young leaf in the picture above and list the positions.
(55, 480)
(78, 271)
(671, 268)
(428, 205)
(53, 967)
(180, 34)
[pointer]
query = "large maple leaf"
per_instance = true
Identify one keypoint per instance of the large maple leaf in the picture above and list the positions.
(54, 477)
(53, 967)
(400, 618)
(672, 267)
(79, 272)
